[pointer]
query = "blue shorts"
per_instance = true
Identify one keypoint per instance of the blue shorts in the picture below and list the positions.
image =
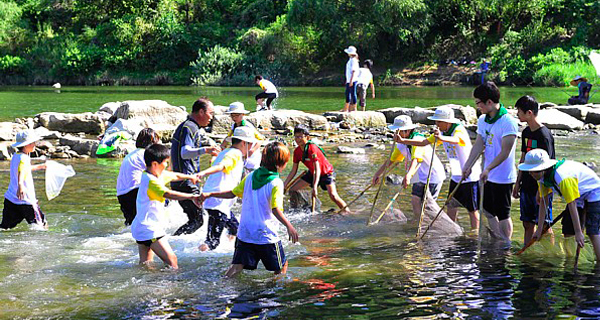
(592, 220)
(249, 254)
(351, 93)
(530, 208)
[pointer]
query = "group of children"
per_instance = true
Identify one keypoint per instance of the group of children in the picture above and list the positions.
(144, 174)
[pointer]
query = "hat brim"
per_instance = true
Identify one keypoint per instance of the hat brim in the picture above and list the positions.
(349, 51)
(26, 142)
(409, 127)
(243, 111)
(537, 167)
(574, 82)
(453, 120)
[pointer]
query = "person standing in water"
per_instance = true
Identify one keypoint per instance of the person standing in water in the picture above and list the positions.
(186, 149)
(352, 70)
(365, 80)
(496, 138)
(269, 93)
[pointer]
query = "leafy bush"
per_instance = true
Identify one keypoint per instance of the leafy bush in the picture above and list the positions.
(11, 64)
(214, 65)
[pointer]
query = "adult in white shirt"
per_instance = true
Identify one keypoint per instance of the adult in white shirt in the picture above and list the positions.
(269, 93)
(351, 78)
(365, 79)
(496, 138)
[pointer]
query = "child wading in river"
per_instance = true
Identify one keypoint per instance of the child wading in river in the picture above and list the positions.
(148, 227)
(224, 175)
(262, 205)
(19, 200)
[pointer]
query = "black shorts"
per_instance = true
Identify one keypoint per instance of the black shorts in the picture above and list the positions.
(324, 180)
(13, 214)
(249, 254)
(269, 96)
(496, 199)
(592, 220)
(127, 202)
(148, 243)
(530, 208)
(418, 190)
(467, 194)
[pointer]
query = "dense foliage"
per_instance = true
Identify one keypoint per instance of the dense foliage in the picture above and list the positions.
(294, 42)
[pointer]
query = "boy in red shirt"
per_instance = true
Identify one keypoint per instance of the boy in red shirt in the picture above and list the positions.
(318, 166)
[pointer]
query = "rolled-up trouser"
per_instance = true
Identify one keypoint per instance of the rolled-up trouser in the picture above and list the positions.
(194, 214)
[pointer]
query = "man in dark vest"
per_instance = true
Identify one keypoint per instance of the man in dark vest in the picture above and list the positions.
(186, 150)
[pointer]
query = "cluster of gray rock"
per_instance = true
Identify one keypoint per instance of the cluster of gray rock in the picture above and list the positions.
(77, 135)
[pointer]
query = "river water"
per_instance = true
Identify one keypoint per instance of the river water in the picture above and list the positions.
(85, 265)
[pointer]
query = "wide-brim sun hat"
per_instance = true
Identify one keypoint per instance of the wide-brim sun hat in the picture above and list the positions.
(237, 107)
(245, 134)
(444, 114)
(350, 50)
(577, 78)
(402, 122)
(26, 137)
(537, 160)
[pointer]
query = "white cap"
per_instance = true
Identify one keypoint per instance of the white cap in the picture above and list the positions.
(402, 122)
(445, 114)
(350, 50)
(237, 107)
(26, 137)
(537, 160)
(245, 134)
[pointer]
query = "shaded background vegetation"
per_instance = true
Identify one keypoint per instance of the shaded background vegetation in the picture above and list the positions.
(298, 42)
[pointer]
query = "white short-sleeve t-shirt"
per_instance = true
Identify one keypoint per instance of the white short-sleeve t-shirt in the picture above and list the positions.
(228, 179)
(352, 65)
(423, 156)
(21, 164)
(151, 220)
(492, 134)
(365, 77)
(458, 154)
(130, 173)
(268, 86)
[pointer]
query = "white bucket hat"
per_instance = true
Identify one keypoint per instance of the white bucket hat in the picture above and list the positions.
(245, 134)
(537, 160)
(444, 114)
(402, 122)
(237, 107)
(26, 137)
(350, 50)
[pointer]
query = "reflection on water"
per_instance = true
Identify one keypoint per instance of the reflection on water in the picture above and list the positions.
(85, 266)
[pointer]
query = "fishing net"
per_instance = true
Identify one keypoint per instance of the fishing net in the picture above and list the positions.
(443, 226)
(556, 248)
(56, 175)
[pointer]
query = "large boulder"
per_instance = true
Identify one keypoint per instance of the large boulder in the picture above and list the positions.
(282, 119)
(372, 119)
(47, 134)
(221, 124)
(5, 150)
(577, 112)
(152, 111)
(349, 150)
(555, 119)
(80, 145)
(8, 130)
(110, 107)
(418, 115)
(466, 114)
(131, 126)
(72, 122)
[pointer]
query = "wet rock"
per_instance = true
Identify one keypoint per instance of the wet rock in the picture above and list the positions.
(345, 125)
(593, 116)
(393, 179)
(110, 107)
(547, 105)
(555, 119)
(72, 122)
(80, 145)
(372, 119)
(47, 134)
(344, 149)
(302, 199)
(418, 115)
(8, 130)
(577, 112)
(60, 155)
(153, 111)
(6, 151)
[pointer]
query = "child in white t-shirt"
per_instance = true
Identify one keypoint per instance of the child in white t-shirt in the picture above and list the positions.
(20, 201)
(130, 174)
(225, 174)
(148, 227)
(262, 205)
(269, 93)
(365, 79)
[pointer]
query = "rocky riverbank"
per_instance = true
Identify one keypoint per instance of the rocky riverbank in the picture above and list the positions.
(67, 135)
